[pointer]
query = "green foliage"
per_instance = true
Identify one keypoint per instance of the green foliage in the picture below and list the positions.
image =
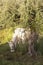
(27, 12)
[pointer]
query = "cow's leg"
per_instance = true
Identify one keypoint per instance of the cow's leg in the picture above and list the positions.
(29, 48)
(32, 49)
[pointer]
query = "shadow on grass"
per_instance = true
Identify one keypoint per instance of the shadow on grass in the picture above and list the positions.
(17, 58)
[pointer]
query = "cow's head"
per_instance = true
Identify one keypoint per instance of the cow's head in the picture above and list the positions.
(11, 45)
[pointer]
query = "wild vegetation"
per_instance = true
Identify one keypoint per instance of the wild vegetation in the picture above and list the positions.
(20, 13)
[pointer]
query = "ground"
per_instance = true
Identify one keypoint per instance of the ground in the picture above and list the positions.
(17, 58)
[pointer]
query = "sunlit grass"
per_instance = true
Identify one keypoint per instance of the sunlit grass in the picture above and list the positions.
(5, 35)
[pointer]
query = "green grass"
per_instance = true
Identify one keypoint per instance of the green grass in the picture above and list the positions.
(17, 58)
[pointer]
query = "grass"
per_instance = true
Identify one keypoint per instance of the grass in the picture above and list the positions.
(17, 58)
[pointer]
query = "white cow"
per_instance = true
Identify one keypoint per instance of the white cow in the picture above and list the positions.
(21, 35)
